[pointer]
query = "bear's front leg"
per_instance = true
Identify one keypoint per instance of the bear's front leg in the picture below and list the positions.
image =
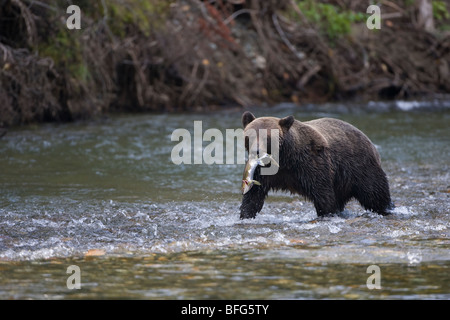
(252, 202)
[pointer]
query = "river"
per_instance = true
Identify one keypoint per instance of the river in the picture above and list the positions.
(105, 196)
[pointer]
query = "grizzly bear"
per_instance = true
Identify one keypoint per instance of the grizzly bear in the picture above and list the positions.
(327, 160)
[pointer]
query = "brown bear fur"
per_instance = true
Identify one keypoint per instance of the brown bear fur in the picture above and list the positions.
(326, 160)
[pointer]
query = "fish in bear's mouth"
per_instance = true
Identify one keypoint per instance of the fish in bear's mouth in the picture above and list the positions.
(249, 171)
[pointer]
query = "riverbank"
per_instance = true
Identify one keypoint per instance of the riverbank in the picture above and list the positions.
(172, 56)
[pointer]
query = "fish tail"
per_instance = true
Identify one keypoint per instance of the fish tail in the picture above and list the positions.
(271, 160)
(274, 162)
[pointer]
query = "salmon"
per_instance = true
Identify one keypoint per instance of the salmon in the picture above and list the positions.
(249, 171)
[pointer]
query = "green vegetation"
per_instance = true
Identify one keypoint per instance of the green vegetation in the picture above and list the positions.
(66, 51)
(440, 10)
(143, 15)
(331, 20)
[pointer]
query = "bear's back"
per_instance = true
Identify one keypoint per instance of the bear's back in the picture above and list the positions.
(344, 138)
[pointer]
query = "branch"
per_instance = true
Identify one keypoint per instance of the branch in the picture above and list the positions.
(286, 41)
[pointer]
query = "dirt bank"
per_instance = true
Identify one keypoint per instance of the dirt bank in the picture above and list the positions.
(189, 55)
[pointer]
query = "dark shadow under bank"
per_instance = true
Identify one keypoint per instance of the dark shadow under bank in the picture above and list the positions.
(435, 103)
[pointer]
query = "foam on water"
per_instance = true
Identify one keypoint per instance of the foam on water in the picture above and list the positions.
(146, 228)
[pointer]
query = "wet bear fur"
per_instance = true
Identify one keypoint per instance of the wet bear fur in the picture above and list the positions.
(328, 161)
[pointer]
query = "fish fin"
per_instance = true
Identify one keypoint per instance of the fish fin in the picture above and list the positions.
(256, 182)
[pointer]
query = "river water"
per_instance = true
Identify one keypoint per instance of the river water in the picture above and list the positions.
(105, 196)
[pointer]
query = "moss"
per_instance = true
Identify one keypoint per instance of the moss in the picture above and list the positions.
(66, 52)
(146, 16)
(65, 48)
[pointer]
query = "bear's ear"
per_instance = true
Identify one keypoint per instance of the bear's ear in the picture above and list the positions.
(286, 123)
(247, 117)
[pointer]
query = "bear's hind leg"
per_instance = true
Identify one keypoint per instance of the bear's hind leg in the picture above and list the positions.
(326, 206)
(373, 194)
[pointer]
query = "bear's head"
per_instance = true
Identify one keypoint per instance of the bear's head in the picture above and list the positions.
(258, 132)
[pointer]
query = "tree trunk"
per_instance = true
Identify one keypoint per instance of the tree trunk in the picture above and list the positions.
(425, 15)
